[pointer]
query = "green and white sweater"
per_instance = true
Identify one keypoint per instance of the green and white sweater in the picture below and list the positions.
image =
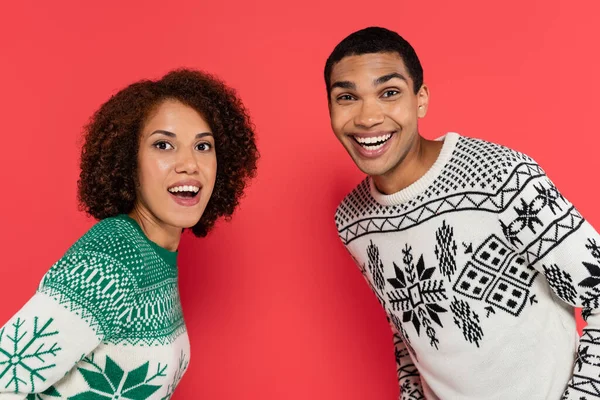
(105, 323)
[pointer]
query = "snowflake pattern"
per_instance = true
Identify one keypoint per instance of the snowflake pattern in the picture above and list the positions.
(410, 391)
(590, 299)
(26, 354)
(417, 295)
(181, 368)
(113, 383)
(528, 213)
(47, 394)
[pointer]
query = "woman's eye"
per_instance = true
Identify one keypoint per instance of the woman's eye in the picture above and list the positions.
(163, 145)
(204, 146)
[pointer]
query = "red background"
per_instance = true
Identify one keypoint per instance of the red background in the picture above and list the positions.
(274, 305)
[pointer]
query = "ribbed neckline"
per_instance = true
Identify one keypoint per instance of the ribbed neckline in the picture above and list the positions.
(170, 257)
(423, 182)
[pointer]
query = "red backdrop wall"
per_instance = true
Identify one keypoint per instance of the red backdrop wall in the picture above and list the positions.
(274, 305)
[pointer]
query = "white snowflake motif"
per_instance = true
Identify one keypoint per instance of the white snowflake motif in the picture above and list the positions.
(24, 355)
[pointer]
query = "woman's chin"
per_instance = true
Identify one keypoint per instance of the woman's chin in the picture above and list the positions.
(183, 220)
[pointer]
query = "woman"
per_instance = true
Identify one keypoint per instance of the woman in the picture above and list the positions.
(106, 321)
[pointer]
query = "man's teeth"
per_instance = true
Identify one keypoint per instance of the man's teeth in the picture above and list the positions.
(176, 189)
(376, 147)
(375, 142)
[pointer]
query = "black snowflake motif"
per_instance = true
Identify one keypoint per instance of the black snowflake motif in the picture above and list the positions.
(593, 269)
(527, 213)
(417, 295)
(561, 282)
(410, 391)
(445, 250)
(590, 299)
(594, 279)
(593, 247)
(467, 320)
(584, 357)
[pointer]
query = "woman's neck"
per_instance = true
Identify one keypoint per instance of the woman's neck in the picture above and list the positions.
(165, 236)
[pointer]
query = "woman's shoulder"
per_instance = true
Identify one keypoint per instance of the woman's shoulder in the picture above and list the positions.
(111, 246)
(115, 237)
(95, 277)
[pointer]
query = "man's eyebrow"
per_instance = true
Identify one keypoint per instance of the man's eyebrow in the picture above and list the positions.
(376, 82)
(344, 85)
(385, 78)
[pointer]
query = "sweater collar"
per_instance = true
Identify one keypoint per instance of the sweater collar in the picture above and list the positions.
(413, 190)
(170, 257)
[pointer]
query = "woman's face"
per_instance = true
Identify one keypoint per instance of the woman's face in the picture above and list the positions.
(177, 165)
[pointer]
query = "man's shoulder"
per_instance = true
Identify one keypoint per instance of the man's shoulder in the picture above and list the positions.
(358, 201)
(478, 164)
(481, 150)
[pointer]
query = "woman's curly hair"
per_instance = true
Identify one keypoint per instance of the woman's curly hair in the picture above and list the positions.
(107, 183)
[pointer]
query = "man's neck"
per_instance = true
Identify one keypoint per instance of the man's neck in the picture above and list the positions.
(415, 164)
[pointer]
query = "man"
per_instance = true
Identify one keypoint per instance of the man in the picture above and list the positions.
(469, 247)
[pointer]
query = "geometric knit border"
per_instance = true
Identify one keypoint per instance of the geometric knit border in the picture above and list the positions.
(591, 336)
(586, 385)
(490, 202)
(102, 331)
(76, 308)
(553, 235)
(149, 341)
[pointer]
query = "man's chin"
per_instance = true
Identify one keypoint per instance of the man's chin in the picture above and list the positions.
(369, 166)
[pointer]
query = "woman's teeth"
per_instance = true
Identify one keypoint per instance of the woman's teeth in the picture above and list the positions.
(180, 189)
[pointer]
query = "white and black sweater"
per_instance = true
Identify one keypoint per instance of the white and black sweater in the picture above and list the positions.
(478, 265)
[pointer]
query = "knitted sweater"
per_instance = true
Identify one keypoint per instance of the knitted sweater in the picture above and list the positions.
(478, 266)
(105, 323)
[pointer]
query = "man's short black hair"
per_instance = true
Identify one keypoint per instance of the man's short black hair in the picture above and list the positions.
(376, 40)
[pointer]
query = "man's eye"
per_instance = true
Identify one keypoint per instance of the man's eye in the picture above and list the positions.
(390, 93)
(345, 97)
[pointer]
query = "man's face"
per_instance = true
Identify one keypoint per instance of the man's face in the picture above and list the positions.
(374, 110)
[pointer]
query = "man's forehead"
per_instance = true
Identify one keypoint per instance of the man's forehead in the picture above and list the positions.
(368, 66)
